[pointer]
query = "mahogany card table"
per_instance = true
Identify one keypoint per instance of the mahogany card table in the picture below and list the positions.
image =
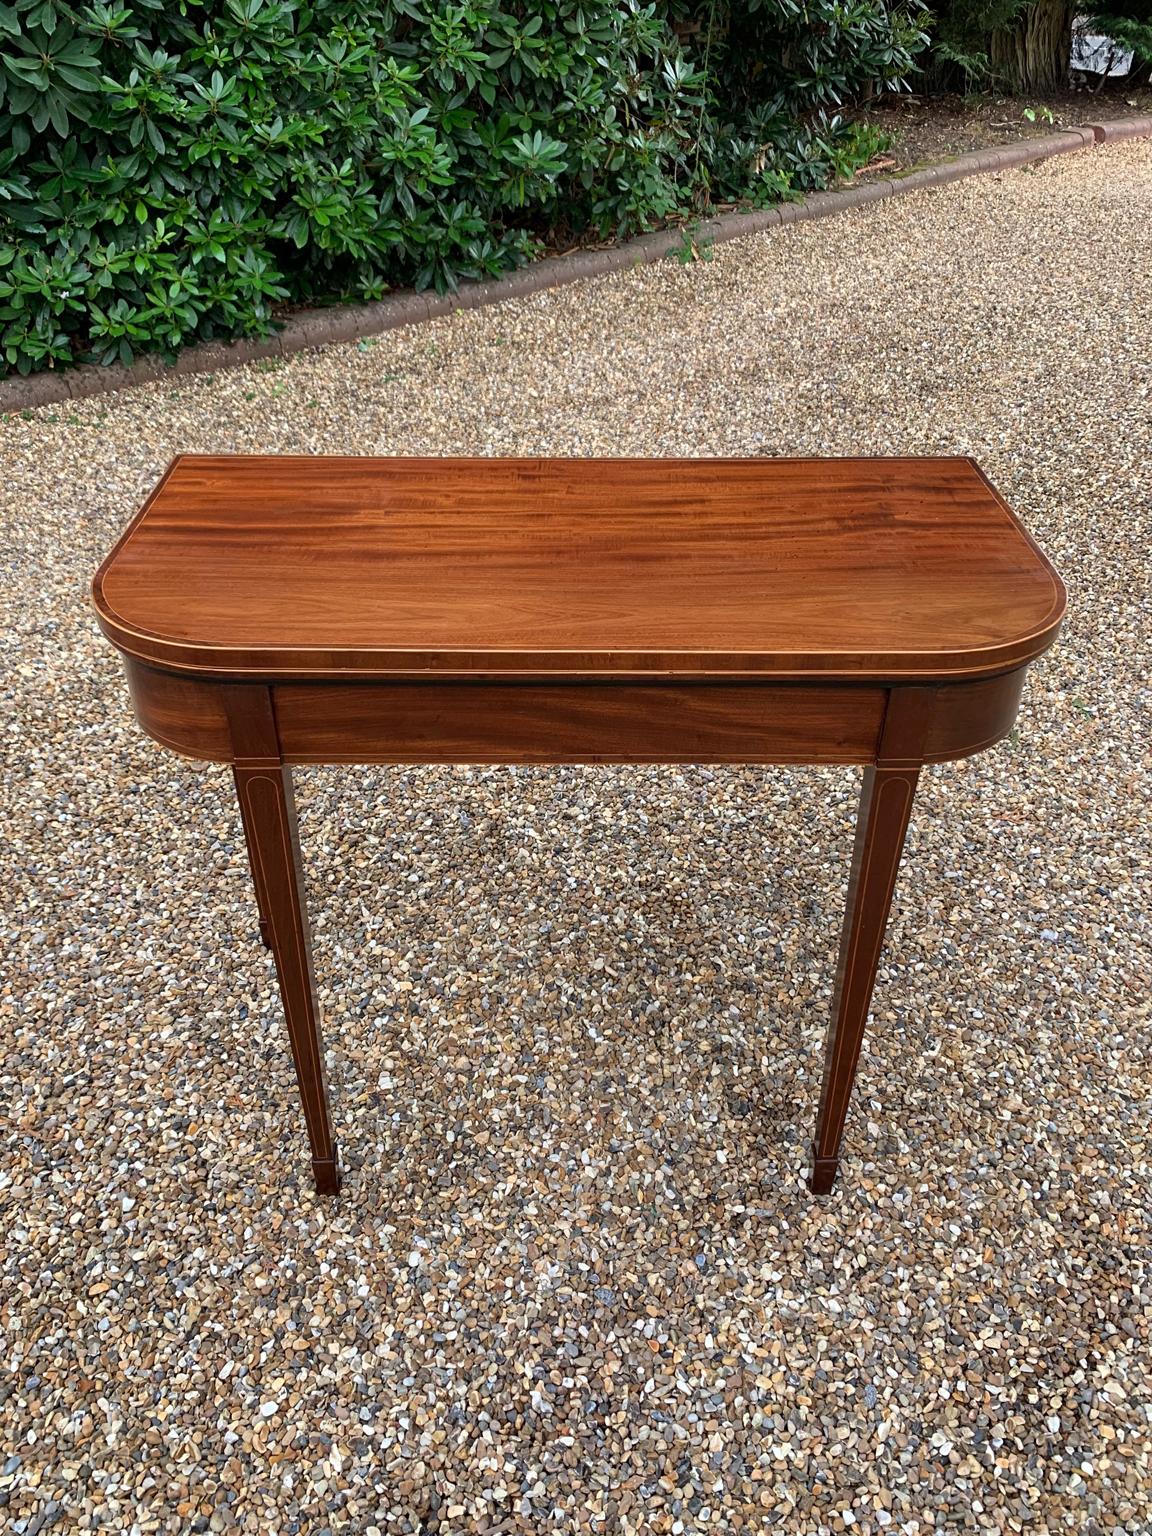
(275, 611)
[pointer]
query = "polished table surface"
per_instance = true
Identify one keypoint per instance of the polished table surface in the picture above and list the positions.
(274, 611)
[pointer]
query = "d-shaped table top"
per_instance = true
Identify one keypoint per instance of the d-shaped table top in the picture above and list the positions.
(303, 567)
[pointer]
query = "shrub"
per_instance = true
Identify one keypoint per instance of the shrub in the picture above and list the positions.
(174, 170)
(962, 40)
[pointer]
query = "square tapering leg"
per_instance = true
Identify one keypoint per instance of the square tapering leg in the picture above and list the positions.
(269, 816)
(258, 885)
(885, 807)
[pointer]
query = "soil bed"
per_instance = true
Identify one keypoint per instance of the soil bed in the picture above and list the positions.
(927, 129)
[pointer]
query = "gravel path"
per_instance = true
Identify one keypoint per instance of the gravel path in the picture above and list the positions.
(575, 1282)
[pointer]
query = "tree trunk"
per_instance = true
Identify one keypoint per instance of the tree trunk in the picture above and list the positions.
(1031, 54)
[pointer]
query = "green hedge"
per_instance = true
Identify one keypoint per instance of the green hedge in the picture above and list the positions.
(174, 170)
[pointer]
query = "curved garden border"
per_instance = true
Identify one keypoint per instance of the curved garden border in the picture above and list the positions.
(320, 327)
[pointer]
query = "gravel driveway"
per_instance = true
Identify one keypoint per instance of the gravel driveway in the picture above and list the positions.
(575, 1281)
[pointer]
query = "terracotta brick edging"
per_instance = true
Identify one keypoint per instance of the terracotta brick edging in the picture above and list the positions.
(320, 327)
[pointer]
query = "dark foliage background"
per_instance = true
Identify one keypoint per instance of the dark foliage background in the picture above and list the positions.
(172, 170)
(1025, 45)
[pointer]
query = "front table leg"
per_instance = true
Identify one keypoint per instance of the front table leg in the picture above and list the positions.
(885, 806)
(269, 814)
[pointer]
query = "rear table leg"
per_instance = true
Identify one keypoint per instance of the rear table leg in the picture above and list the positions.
(261, 899)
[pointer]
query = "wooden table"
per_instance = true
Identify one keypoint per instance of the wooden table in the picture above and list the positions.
(274, 611)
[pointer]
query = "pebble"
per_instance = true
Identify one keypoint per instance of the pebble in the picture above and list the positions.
(575, 1017)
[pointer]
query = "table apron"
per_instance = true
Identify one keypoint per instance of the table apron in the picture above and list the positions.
(579, 723)
(573, 722)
